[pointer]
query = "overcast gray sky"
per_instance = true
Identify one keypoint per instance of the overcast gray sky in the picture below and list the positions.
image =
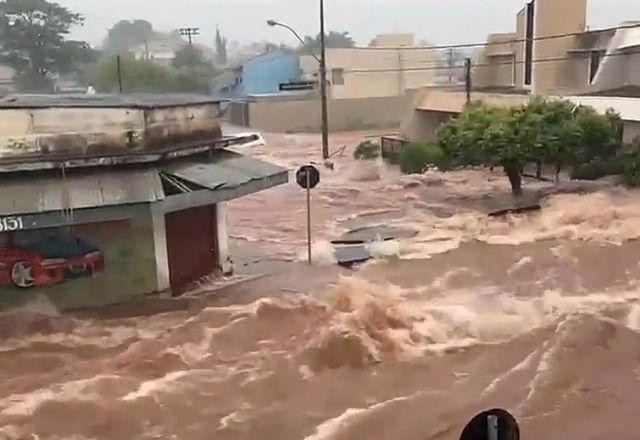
(439, 21)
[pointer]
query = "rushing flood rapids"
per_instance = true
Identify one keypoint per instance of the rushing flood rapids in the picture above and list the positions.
(538, 314)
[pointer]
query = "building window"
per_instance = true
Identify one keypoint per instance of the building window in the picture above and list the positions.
(596, 58)
(528, 48)
(337, 77)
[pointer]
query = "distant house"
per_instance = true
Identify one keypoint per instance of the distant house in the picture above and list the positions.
(162, 50)
(581, 62)
(390, 67)
(262, 74)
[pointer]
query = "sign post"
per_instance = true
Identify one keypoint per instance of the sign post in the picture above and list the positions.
(308, 178)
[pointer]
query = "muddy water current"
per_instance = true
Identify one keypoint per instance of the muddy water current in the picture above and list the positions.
(535, 313)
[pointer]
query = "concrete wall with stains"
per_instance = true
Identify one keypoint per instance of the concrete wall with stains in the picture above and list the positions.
(344, 114)
(55, 131)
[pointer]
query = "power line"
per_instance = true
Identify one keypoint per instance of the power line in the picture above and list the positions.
(510, 63)
(500, 43)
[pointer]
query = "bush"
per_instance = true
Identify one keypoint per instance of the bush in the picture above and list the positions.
(632, 168)
(366, 150)
(598, 169)
(416, 158)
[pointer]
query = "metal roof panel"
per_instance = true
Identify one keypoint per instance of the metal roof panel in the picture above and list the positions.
(226, 170)
(35, 194)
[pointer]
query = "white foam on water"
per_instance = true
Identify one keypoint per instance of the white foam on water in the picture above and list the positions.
(633, 318)
(83, 390)
(332, 427)
(164, 384)
(371, 320)
(523, 365)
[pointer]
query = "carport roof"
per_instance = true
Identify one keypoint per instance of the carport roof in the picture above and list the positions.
(224, 175)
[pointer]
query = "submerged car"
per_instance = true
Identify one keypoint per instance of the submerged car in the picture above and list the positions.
(48, 261)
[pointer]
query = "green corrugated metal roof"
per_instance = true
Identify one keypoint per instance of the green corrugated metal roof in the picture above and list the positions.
(31, 194)
(225, 170)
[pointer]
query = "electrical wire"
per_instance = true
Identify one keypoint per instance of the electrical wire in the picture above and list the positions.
(498, 43)
(586, 56)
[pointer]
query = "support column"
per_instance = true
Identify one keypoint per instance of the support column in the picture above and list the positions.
(224, 255)
(160, 246)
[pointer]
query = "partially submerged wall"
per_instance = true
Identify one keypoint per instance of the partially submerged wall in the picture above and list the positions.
(344, 114)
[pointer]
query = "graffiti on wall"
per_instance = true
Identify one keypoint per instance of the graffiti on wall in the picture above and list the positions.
(32, 259)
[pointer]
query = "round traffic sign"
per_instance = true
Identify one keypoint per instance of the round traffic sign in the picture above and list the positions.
(308, 177)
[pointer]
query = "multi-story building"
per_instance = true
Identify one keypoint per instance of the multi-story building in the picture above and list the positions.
(384, 69)
(554, 52)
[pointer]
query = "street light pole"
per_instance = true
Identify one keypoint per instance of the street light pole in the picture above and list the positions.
(322, 61)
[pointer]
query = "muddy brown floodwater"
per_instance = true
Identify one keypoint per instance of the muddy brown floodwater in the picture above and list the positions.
(537, 314)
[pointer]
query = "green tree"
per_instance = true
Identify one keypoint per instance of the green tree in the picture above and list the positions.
(333, 40)
(148, 77)
(33, 43)
(127, 34)
(553, 132)
(221, 49)
(190, 56)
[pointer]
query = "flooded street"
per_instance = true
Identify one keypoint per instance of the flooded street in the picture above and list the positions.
(536, 313)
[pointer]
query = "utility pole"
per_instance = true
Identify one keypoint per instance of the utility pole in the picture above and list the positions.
(119, 72)
(467, 80)
(189, 33)
(322, 62)
(323, 86)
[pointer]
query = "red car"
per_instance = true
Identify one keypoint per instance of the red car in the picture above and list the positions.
(49, 260)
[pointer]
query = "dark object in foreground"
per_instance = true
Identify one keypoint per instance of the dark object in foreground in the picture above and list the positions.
(516, 210)
(496, 424)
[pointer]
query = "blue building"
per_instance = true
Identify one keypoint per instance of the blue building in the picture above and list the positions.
(262, 74)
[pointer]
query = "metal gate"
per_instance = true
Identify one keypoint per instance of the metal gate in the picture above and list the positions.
(192, 245)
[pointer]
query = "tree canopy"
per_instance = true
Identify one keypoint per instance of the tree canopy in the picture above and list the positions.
(552, 132)
(127, 34)
(221, 49)
(33, 42)
(149, 77)
(334, 40)
(190, 56)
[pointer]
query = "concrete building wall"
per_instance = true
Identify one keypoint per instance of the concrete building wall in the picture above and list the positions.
(358, 73)
(265, 73)
(344, 114)
(496, 65)
(423, 125)
(519, 48)
(631, 131)
(393, 40)
(553, 17)
(123, 235)
(53, 130)
(619, 69)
